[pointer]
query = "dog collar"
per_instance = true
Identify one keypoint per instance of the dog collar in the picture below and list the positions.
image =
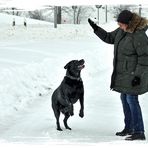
(74, 78)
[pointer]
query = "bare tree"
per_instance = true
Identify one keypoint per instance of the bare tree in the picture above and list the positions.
(85, 12)
(48, 13)
(55, 16)
(59, 15)
(78, 19)
(80, 12)
(74, 13)
(37, 14)
(98, 15)
(12, 11)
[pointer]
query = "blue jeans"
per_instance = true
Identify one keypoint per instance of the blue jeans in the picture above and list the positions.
(132, 113)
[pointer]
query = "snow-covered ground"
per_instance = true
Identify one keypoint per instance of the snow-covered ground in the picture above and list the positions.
(31, 63)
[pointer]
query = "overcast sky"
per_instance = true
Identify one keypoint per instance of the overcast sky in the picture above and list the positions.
(31, 4)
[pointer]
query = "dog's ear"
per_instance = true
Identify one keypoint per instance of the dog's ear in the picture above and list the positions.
(69, 64)
(66, 66)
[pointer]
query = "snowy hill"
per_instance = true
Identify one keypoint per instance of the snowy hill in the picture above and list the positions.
(32, 61)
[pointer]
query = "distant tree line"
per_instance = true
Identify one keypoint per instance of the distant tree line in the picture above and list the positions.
(71, 14)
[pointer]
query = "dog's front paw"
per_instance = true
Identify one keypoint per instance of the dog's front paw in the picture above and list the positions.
(81, 114)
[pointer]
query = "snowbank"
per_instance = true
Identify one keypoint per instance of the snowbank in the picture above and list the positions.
(40, 30)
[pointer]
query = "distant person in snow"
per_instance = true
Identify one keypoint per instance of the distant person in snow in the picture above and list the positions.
(130, 68)
(25, 22)
(13, 22)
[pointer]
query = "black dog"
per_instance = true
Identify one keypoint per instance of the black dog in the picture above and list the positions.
(69, 92)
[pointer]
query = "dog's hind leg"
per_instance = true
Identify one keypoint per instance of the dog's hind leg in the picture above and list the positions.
(65, 121)
(57, 115)
(58, 122)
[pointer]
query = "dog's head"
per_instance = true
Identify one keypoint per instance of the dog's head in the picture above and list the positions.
(74, 67)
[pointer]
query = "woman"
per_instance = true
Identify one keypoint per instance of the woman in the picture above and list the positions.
(130, 68)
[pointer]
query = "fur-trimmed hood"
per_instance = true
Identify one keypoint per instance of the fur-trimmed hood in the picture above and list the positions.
(137, 23)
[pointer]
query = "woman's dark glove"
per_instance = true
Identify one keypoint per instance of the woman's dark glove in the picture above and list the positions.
(136, 81)
(92, 24)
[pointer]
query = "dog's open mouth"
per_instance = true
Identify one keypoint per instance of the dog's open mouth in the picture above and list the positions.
(80, 67)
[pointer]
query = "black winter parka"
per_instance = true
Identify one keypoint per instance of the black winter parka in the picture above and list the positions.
(130, 56)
